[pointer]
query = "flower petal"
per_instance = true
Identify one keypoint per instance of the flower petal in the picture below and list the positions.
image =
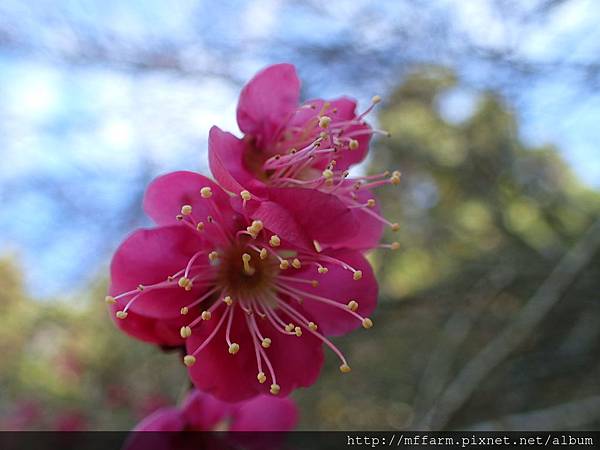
(279, 221)
(226, 157)
(168, 193)
(267, 101)
(164, 419)
(337, 285)
(370, 230)
(148, 329)
(322, 217)
(149, 256)
(204, 412)
(296, 360)
(265, 413)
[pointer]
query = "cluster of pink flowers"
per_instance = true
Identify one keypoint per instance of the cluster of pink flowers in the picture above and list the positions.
(253, 274)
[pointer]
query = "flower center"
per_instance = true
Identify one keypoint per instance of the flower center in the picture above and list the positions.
(242, 272)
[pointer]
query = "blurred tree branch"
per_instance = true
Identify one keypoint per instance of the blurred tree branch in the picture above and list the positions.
(548, 294)
(574, 414)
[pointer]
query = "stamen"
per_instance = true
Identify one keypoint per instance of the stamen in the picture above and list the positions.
(274, 241)
(304, 322)
(186, 210)
(185, 332)
(191, 361)
(247, 268)
(206, 192)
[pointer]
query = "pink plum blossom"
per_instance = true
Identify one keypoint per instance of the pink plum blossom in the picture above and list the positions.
(292, 150)
(243, 287)
(202, 412)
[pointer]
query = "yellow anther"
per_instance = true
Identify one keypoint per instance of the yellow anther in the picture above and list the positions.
(186, 210)
(140, 287)
(357, 275)
(371, 203)
(234, 348)
(289, 327)
(313, 326)
(110, 299)
(185, 332)
(327, 174)
(345, 368)
(200, 226)
(184, 282)
(213, 256)
(189, 360)
(317, 246)
(298, 331)
(376, 99)
(257, 225)
(206, 315)
(353, 144)
(296, 264)
(206, 192)
(395, 245)
(266, 343)
(367, 323)
(121, 314)
(275, 389)
(261, 377)
(263, 253)
(314, 283)
(274, 241)
(284, 264)
(352, 305)
(246, 260)
(324, 121)
(228, 301)
(395, 226)
(184, 310)
(322, 270)
(395, 178)
(245, 195)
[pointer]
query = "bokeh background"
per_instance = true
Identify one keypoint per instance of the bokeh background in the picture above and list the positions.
(489, 314)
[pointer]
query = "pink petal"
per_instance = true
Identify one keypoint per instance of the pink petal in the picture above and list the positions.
(337, 285)
(232, 378)
(226, 157)
(265, 413)
(278, 220)
(322, 217)
(165, 419)
(370, 230)
(267, 101)
(203, 412)
(148, 329)
(149, 256)
(168, 193)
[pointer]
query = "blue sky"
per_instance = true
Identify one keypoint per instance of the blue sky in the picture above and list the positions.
(92, 135)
